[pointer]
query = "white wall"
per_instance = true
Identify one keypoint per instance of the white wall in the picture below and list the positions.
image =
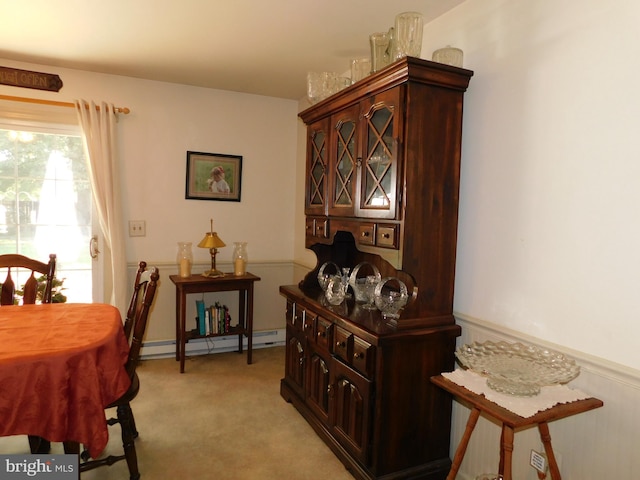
(165, 121)
(549, 230)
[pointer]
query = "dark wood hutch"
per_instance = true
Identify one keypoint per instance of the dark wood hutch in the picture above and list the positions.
(383, 163)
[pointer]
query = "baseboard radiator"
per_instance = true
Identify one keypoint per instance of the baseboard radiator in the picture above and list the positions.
(201, 346)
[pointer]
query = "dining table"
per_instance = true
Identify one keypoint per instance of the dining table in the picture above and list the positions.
(61, 364)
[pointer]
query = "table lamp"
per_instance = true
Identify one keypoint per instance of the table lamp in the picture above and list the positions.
(212, 242)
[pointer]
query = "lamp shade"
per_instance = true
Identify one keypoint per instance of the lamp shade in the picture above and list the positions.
(211, 240)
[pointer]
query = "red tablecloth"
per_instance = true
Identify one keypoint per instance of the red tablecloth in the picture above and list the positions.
(60, 365)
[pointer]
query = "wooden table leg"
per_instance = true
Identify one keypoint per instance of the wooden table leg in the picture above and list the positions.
(177, 324)
(242, 313)
(183, 314)
(506, 452)
(464, 442)
(249, 323)
(545, 436)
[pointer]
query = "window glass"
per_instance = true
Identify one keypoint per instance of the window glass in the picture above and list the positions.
(45, 201)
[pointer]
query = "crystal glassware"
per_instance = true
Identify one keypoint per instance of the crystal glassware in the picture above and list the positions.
(379, 50)
(336, 290)
(363, 287)
(325, 273)
(360, 68)
(448, 55)
(391, 300)
(408, 34)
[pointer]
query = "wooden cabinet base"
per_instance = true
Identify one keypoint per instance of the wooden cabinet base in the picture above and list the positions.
(435, 470)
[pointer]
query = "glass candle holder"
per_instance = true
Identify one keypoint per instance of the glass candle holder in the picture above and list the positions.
(240, 258)
(184, 259)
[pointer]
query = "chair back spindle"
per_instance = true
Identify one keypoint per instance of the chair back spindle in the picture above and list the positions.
(30, 294)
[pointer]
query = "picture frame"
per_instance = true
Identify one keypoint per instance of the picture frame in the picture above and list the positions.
(213, 176)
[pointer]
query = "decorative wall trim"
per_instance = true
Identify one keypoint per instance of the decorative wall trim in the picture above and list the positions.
(599, 366)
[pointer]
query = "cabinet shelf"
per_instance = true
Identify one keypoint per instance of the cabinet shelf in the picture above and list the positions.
(194, 334)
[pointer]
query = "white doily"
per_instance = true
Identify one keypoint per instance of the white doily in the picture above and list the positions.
(523, 406)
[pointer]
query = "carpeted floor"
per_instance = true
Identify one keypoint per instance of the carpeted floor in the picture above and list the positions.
(222, 419)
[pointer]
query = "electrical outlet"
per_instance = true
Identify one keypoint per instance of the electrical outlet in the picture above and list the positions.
(538, 461)
(137, 228)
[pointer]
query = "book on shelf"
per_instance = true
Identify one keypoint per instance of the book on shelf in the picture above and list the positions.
(200, 309)
(213, 320)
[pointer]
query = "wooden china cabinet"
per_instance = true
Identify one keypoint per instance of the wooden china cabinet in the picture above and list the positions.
(383, 162)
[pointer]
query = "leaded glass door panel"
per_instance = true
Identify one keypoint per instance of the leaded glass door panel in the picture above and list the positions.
(379, 166)
(317, 161)
(343, 162)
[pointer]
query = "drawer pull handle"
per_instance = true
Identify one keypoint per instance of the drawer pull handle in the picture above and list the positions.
(365, 234)
(341, 344)
(386, 235)
(322, 334)
(358, 355)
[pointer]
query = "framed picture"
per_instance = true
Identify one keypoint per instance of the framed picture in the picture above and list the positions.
(213, 176)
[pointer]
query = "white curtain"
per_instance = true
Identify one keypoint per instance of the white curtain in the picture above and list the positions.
(99, 135)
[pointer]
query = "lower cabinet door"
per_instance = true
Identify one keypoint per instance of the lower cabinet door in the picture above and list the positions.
(351, 409)
(295, 363)
(318, 378)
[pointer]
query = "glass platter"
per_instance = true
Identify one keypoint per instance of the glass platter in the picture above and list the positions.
(516, 368)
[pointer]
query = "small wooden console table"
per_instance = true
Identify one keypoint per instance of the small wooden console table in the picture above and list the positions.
(510, 422)
(201, 284)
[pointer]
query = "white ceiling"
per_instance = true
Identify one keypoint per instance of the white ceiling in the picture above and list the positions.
(251, 46)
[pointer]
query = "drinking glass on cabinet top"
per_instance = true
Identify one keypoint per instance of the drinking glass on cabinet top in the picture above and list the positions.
(408, 34)
(321, 85)
(379, 42)
(360, 68)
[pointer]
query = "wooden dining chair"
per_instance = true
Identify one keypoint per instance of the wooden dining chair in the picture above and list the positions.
(147, 285)
(30, 293)
(29, 296)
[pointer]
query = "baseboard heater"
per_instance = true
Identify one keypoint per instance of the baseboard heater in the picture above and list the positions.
(201, 346)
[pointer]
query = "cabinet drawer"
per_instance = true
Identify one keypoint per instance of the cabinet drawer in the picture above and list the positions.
(295, 316)
(316, 227)
(363, 356)
(387, 236)
(324, 330)
(342, 344)
(366, 234)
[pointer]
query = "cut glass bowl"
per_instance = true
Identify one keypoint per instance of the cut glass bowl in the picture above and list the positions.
(516, 368)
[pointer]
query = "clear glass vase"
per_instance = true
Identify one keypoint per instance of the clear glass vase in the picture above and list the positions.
(184, 259)
(240, 258)
(408, 33)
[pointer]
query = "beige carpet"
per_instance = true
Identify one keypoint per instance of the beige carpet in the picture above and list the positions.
(222, 419)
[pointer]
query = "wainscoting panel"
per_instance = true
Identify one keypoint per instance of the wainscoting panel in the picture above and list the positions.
(600, 444)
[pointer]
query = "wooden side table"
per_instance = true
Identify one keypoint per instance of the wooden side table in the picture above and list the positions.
(510, 423)
(200, 284)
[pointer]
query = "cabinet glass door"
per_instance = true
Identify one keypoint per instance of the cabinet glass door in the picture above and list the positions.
(378, 174)
(343, 163)
(316, 169)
